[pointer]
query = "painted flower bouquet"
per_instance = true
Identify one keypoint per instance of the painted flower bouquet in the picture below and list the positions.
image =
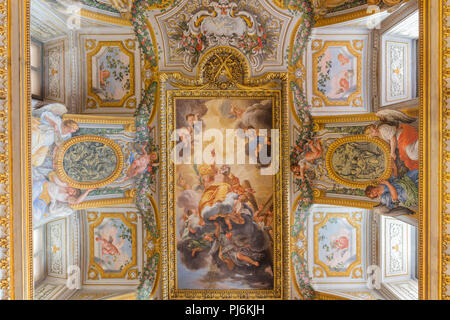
(260, 43)
(189, 43)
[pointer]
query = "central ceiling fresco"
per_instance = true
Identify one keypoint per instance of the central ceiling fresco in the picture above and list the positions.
(298, 81)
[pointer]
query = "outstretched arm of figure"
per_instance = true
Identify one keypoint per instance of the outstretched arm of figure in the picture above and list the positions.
(144, 152)
(313, 146)
(54, 178)
(319, 146)
(393, 143)
(213, 155)
(392, 190)
(80, 198)
(52, 123)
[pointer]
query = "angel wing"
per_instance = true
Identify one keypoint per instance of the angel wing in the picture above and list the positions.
(397, 211)
(394, 117)
(55, 108)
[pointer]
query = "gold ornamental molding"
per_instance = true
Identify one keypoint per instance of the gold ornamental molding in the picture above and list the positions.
(444, 152)
(128, 123)
(221, 63)
(224, 61)
(342, 202)
(279, 3)
(105, 18)
(127, 296)
(281, 285)
(129, 198)
(7, 289)
(62, 174)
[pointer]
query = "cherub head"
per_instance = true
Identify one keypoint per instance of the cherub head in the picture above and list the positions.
(372, 131)
(73, 194)
(153, 156)
(71, 191)
(190, 119)
(225, 170)
(344, 84)
(373, 192)
(69, 126)
(343, 59)
(243, 198)
(296, 169)
(105, 74)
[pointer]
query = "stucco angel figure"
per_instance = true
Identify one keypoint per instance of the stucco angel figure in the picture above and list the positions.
(48, 128)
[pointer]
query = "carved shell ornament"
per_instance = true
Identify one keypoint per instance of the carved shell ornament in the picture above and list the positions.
(225, 23)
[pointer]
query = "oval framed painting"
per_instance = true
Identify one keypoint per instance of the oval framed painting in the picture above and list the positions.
(89, 162)
(359, 161)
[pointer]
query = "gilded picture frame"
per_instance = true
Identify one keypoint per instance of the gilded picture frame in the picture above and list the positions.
(280, 184)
